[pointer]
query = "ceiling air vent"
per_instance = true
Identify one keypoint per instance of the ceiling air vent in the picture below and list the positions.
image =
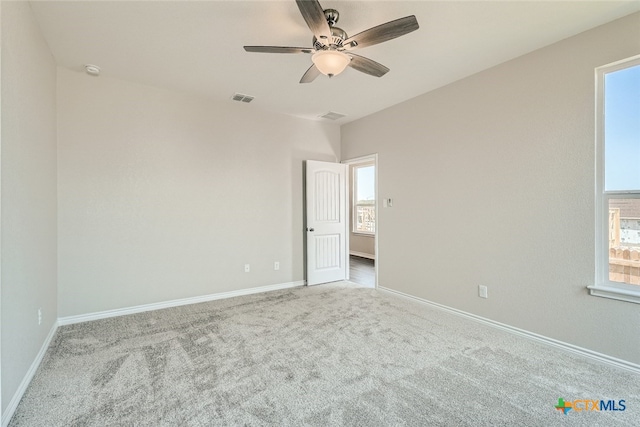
(242, 97)
(331, 115)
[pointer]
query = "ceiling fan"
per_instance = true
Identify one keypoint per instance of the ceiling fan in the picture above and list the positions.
(332, 48)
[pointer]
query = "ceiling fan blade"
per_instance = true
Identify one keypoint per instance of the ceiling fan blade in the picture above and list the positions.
(310, 75)
(367, 66)
(313, 15)
(382, 32)
(278, 49)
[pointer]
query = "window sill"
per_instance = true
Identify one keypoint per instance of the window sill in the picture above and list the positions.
(614, 292)
(363, 234)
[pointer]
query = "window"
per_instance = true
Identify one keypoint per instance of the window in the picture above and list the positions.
(364, 199)
(618, 181)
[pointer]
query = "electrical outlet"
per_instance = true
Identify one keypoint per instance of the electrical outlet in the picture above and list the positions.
(482, 291)
(276, 265)
(39, 316)
(247, 268)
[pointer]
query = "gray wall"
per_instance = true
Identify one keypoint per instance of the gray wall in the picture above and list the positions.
(28, 172)
(492, 179)
(164, 196)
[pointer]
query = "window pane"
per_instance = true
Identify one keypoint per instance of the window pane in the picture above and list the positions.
(624, 241)
(366, 189)
(622, 129)
(366, 219)
(364, 200)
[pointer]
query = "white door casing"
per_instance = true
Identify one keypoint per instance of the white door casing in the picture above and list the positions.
(327, 209)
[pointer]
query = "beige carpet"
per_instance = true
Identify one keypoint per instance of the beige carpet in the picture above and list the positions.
(318, 356)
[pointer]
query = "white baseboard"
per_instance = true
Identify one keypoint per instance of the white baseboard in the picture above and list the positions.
(603, 358)
(174, 303)
(362, 255)
(17, 396)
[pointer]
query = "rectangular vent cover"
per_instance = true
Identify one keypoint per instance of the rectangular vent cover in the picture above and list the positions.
(331, 115)
(242, 97)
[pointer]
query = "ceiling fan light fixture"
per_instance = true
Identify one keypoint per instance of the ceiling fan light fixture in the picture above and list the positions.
(330, 62)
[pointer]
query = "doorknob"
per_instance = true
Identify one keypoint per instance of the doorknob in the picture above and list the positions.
(310, 229)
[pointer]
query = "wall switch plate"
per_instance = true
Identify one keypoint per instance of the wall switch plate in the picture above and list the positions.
(482, 291)
(247, 268)
(276, 265)
(39, 316)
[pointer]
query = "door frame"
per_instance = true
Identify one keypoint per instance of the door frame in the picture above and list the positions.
(353, 161)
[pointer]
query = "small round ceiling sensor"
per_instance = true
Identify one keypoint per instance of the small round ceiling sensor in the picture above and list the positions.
(94, 70)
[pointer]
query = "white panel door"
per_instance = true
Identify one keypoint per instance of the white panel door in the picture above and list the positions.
(327, 257)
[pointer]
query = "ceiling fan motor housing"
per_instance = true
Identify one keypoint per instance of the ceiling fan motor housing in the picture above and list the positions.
(338, 35)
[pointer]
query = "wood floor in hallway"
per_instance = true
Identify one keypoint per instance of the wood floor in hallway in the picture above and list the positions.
(362, 271)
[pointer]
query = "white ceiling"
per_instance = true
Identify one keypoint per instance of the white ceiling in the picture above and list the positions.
(196, 46)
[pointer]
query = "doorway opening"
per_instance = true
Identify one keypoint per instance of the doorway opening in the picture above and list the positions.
(363, 247)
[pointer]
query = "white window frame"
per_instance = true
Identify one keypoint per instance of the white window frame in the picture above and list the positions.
(603, 287)
(354, 200)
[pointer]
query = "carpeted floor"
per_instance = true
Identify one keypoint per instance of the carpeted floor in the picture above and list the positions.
(318, 356)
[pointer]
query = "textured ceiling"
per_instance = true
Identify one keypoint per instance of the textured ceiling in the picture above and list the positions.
(196, 46)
